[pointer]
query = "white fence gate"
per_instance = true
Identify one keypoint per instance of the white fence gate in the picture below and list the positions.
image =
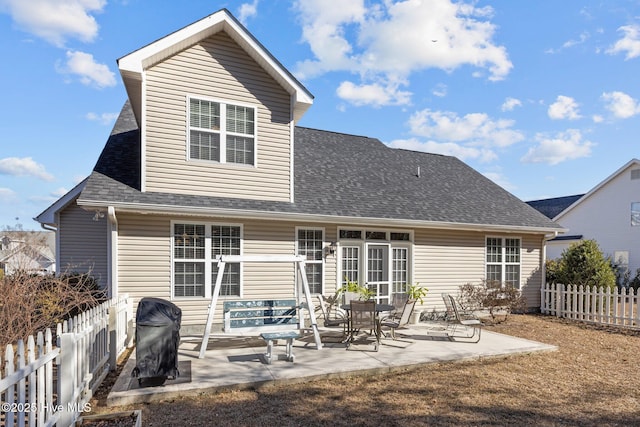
(43, 385)
(604, 306)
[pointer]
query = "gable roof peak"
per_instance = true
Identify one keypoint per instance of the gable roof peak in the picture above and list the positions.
(133, 65)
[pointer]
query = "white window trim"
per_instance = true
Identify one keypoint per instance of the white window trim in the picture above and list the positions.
(208, 260)
(322, 260)
(348, 244)
(362, 244)
(504, 262)
(223, 130)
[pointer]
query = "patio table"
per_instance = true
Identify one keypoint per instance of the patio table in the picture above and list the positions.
(379, 308)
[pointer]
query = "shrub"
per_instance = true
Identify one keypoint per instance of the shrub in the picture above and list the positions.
(31, 303)
(631, 283)
(582, 264)
(493, 296)
(552, 267)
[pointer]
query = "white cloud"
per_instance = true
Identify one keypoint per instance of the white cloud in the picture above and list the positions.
(247, 10)
(6, 194)
(474, 129)
(570, 43)
(59, 192)
(565, 107)
(373, 94)
(24, 166)
(568, 145)
(629, 43)
(104, 118)
(391, 40)
(446, 148)
(440, 90)
(510, 104)
(597, 118)
(620, 104)
(56, 20)
(90, 72)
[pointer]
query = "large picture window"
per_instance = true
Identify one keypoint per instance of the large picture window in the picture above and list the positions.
(503, 260)
(309, 244)
(195, 266)
(221, 132)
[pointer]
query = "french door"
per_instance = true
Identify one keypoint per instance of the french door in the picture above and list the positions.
(377, 271)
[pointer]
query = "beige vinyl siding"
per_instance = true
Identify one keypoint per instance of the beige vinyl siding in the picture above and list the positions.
(216, 68)
(83, 243)
(442, 261)
(531, 269)
(144, 257)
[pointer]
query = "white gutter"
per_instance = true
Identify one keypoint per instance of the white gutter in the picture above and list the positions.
(145, 209)
(543, 262)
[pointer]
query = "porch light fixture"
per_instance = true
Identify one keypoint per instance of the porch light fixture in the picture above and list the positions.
(331, 249)
(98, 215)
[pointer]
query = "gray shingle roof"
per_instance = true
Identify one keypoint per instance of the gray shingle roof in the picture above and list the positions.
(336, 175)
(552, 207)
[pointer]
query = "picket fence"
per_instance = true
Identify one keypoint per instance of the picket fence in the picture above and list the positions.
(606, 306)
(44, 384)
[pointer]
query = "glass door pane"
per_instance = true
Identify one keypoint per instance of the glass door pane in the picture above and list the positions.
(377, 273)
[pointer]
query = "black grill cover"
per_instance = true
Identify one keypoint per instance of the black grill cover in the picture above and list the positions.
(157, 339)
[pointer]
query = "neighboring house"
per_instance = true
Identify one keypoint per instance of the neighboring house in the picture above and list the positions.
(30, 251)
(206, 159)
(608, 214)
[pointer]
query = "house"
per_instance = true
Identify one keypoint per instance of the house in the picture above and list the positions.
(30, 251)
(609, 214)
(206, 159)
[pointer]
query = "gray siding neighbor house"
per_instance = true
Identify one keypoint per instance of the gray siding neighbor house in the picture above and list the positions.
(206, 159)
(609, 214)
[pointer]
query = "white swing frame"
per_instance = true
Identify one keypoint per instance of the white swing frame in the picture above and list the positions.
(299, 261)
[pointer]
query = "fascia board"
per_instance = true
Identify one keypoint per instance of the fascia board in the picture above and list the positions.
(49, 214)
(143, 209)
(595, 189)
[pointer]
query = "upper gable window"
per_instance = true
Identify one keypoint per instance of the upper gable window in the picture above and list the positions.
(221, 132)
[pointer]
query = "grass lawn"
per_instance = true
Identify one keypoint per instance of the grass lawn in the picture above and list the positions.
(593, 380)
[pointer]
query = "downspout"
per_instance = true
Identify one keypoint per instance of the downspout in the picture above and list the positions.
(112, 253)
(543, 279)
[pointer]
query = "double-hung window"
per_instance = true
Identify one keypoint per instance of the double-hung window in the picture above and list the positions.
(309, 244)
(225, 240)
(189, 260)
(221, 132)
(503, 260)
(195, 251)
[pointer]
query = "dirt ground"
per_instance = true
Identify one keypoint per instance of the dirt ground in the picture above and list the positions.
(593, 380)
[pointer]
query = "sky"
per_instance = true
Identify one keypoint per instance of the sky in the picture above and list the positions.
(541, 97)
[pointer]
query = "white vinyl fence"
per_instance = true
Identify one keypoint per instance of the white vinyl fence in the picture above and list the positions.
(42, 384)
(604, 306)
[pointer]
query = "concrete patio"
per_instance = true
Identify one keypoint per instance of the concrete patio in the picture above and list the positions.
(236, 362)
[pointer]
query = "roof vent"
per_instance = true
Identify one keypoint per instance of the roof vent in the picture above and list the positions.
(635, 174)
(418, 174)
